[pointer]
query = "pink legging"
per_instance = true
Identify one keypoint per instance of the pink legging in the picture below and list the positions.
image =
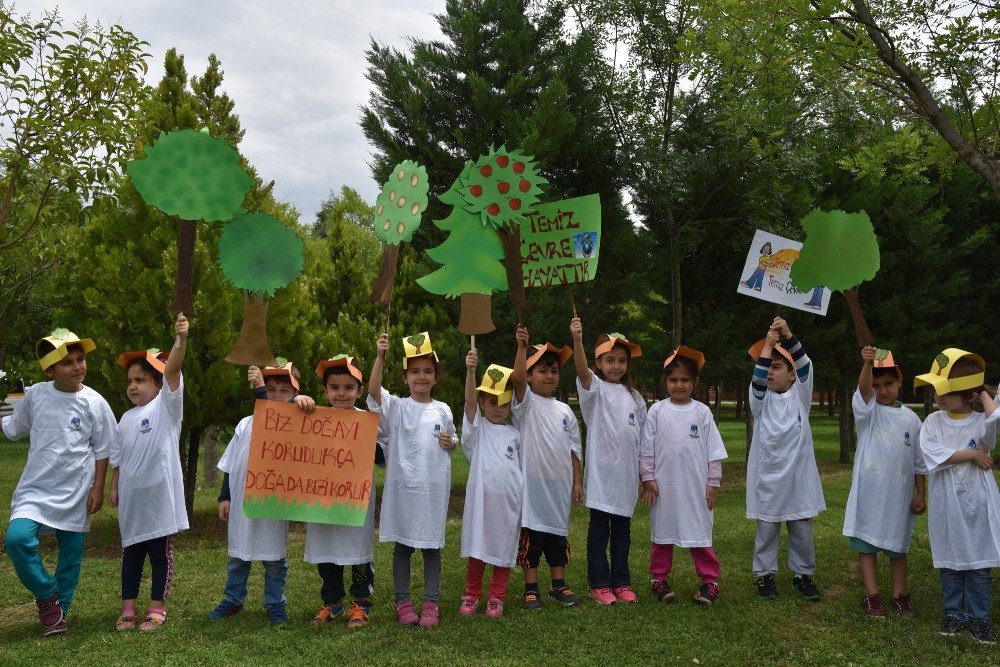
(706, 564)
(474, 580)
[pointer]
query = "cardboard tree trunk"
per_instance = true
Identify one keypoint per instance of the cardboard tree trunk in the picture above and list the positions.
(252, 347)
(187, 234)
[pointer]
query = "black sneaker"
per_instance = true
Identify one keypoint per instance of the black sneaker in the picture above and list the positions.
(981, 632)
(951, 626)
(531, 600)
(766, 587)
(707, 595)
(564, 596)
(804, 584)
(662, 591)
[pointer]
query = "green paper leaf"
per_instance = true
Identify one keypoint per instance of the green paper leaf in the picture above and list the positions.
(259, 254)
(416, 340)
(881, 354)
(502, 186)
(192, 175)
(281, 361)
(942, 361)
(496, 375)
(402, 200)
(840, 251)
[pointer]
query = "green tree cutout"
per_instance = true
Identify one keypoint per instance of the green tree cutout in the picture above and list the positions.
(495, 376)
(416, 341)
(258, 255)
(193, 176)
(881, 354)
(942, 362)
(840, 252)
(470, 262)
(500, 188)
(397, 216)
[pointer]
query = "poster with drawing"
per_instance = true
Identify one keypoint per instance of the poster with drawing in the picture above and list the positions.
(766, 275)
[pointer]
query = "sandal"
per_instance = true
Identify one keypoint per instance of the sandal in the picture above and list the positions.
(154, 619)
(126, 619)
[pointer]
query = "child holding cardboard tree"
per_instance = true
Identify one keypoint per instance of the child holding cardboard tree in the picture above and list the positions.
(887, 483)
(783, 482)
(614, 413)
(251, 540)
(491, 522)
(72, 431)
(550, 460)
(420, 434)
(147, 486)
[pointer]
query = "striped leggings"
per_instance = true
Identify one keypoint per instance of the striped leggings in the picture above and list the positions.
(161, 561)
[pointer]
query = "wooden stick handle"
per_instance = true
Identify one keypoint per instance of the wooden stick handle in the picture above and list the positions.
(572, 300)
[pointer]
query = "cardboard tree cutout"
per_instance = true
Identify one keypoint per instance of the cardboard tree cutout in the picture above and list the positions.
(258, 255)
(193, 176)
(397, 216)
(841, 252)
(501, 188)
(470, 259)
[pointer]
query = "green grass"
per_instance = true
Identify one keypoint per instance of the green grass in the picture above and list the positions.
(739, 629)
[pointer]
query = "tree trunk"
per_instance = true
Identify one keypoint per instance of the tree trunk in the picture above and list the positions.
(191, 468)
(861, 331)
(676, 297)
(718, 395)
(510, 238)
(386, 274)
(252, 347)
(476, 315)
(210, 473)
(845, 426)
(187, 232)
(822, 397)
(740, 400)
(831, 401)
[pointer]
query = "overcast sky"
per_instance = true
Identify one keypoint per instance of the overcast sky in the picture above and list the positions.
(296, 70)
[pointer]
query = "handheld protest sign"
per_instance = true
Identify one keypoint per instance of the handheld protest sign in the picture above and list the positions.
(561, 242)
(500, 188)
(766, 275)
(193, 176)
(397, 215)
(841, 252)
(258, 255)
(470, 261)
(310, 467)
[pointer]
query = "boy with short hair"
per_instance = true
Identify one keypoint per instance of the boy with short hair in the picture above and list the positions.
(72, 431)
(887, 484)
(251, 540)
(783, 482)
(550, 461)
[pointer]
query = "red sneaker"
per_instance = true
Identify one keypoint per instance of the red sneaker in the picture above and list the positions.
(872, 605)
(624, 594)
(470, 603)
(901, 605)
(603, 595)
(405, 614)
(430, 615)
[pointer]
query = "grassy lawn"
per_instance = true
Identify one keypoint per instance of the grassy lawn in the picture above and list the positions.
(739, 629)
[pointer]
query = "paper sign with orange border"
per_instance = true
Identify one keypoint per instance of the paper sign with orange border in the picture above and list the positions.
(350, 363)
(564, 353)
(310, 467)
(940, 379)
(153, 356)
(758, 347)
(687, 353)
(617, 339)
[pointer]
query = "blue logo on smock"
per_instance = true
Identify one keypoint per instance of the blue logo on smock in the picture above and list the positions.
(906, 439)
(74, 424)
(694, 431)
(971, 445)
(144, 426)
(510, 452)
(631, 419)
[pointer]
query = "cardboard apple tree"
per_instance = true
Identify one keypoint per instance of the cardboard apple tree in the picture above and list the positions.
(470, 262)
(258, 255)
(840, 252)
(193, 176)
(397, 215)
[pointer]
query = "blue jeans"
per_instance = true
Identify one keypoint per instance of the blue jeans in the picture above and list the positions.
(275, 572)
(605, 529)
(756, 279)
(966, 593)
(22, 546)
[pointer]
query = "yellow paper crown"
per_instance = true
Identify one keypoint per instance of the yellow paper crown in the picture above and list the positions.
(495, 381)
(418, 345)
(62, 339)
(940, 379)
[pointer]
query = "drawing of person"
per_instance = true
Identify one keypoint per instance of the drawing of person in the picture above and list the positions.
(756, 279)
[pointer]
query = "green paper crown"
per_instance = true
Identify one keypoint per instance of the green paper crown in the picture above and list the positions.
(259, 254)
(502, 186)
(399, 205)
(191, 175)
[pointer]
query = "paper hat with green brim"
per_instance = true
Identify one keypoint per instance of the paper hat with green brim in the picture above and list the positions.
(61, 339)
(284, 370)
(884, 359)
(564, 353)
(152, 356)
(496, 381)
(941, 369)
(418, 345)
(617, 339)
(758, 347)
(350, 363)
(688, 353)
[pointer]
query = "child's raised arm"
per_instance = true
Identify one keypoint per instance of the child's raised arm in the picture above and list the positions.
(579, 354)
(865, 379)
(794, 347)
(471, 362)
(172, 370)
(988, 401)
(520, 375)
(375, 379)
